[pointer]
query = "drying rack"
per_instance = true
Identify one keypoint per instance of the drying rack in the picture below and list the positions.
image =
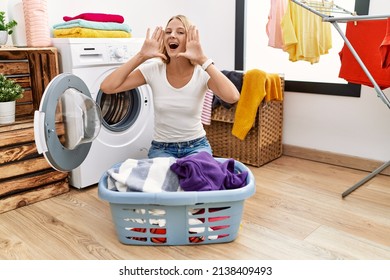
(326, 10)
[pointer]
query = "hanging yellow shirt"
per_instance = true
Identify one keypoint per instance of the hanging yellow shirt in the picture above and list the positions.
(305, 36)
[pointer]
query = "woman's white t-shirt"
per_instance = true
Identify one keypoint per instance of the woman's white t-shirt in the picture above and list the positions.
(177, 111)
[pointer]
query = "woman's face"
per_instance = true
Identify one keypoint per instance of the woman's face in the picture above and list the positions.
(175, 37)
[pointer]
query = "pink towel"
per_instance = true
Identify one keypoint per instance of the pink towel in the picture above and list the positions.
(207, 107)
(385, 48)
(97, 17)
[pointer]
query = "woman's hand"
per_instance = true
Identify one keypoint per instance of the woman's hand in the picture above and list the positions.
(194, 50)
(152, 44)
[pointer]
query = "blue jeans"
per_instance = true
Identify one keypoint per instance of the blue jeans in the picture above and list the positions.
(179, 149)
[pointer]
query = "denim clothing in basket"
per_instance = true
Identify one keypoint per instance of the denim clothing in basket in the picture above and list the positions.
(179, 149)
(201, 172)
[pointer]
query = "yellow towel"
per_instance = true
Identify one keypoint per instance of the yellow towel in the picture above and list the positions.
(273, 88)
(81, 32)
(256, 86)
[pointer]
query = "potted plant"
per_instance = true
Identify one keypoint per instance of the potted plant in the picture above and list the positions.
(5, 28)
(10, 91)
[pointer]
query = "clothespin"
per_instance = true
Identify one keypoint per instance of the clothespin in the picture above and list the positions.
(354, 14)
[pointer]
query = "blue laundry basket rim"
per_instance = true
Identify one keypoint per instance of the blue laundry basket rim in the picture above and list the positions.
(179, 198)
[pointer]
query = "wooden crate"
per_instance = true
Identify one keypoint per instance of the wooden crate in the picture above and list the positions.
(25, 176)
(33, 69)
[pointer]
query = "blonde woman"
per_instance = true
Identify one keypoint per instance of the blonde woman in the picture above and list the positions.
(179, 80)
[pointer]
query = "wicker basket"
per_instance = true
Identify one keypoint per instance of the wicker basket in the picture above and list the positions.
(263, 142)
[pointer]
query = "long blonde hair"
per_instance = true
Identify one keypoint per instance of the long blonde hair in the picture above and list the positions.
(186, 22)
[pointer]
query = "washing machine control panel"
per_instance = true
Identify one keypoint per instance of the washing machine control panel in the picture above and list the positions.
(119, 53)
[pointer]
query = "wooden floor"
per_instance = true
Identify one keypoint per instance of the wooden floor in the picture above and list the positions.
(297, 213)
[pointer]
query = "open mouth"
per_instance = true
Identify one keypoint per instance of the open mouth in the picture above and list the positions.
(173, 46)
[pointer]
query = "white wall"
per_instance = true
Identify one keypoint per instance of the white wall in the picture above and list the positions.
(217, 36)
(352, 126)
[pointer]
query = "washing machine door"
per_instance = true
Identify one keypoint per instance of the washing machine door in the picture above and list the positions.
(67, 122)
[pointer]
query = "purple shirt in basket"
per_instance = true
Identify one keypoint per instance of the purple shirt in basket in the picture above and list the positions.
(201, 172)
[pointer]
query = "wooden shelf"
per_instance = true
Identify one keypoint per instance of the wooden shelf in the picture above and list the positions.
(25, 175)
(33, 69)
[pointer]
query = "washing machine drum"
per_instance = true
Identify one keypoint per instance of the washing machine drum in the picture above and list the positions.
(67, 122)
(119, 111)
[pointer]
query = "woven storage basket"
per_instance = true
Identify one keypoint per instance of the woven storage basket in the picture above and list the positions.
(178, 218)
(263, 142)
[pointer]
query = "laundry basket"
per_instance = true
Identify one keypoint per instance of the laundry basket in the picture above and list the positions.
(178, 218)
(262, 144)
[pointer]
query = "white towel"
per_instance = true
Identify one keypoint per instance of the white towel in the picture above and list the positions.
(144, 175)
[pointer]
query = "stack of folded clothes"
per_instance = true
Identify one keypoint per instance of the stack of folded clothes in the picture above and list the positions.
(92, 25)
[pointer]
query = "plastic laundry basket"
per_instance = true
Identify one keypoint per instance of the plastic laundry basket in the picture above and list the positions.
(178, 218)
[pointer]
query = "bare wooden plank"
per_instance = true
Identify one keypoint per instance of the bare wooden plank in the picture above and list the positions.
(19, 67)
(24, 81)
(18, 153)
(13, 54)
(23, 167)
(16, 136)
(44, 67)
(20, 123)
(23, 109)
(27, 97)
(25, 183)
(26, 135)
(33, 196)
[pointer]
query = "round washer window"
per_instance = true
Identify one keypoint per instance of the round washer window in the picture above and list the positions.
(119, 110)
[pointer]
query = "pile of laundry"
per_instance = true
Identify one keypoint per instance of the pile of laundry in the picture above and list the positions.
(199, 172)
(92, 25)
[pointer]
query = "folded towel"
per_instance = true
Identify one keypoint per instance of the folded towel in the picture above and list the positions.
(97, 17)
(92, 25)
(257, 85)
(81, 32)
(144, 175)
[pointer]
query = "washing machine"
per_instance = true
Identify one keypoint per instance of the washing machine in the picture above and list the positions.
(97, 130)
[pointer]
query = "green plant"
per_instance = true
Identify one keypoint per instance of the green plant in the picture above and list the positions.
(6, 26)
(9, 89)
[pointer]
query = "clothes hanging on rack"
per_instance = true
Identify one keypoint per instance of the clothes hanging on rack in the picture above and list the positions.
(354, 20)
(385, 47)
(366, 37)
(273, 27)
(305, 36)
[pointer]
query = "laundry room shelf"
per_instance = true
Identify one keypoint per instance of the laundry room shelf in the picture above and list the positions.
(33, 69)
(25, 176)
